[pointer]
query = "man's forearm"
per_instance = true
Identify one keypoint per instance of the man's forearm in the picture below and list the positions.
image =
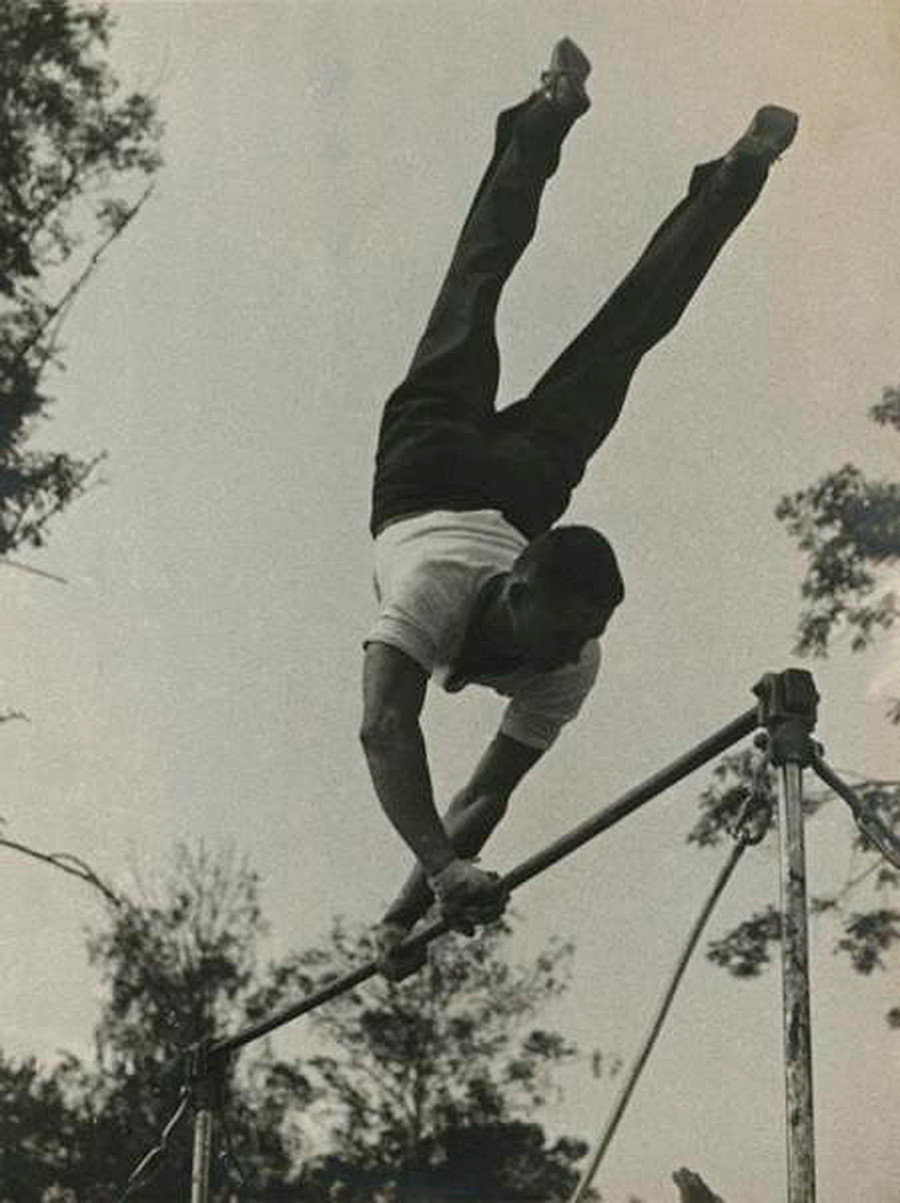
(399, 768)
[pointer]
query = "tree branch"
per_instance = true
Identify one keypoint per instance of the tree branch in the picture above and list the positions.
(51, 576)
(57, 313)
(66, 863)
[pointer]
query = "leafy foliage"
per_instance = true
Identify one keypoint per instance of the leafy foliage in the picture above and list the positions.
(736, 780)
(848, 527)
(37, 1130)
(73, 155)
(508, 1161)
(427, 1086)
(887, 411)
(179, 966)
(747, 949)
(868, 936)
(426, 1089)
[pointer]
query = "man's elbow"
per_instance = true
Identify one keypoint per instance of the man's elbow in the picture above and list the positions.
(386, 729)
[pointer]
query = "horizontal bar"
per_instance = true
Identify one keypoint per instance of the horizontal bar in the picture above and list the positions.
(717, 743)
(341, 986)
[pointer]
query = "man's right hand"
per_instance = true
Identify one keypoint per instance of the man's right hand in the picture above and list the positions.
(393, 963)
(468, 896)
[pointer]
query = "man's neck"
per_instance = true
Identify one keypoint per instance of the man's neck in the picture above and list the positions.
(491, 632)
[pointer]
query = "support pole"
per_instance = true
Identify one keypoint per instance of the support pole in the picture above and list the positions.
(795, 991)
(203, 1137)
(788, 709)
(206, 1075)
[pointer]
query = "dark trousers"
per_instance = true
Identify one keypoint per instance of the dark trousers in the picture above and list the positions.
(442, 444)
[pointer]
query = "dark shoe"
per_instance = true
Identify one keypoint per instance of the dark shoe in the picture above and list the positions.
(770, 133)
(563, 81)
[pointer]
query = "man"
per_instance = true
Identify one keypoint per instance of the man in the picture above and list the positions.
(475, 584)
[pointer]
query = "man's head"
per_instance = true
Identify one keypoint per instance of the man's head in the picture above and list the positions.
(561, 592)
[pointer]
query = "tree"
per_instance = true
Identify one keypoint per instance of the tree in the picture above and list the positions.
(180, 965)
(37, 1130)
(848, 528)
(75, 158)
(429, 1087)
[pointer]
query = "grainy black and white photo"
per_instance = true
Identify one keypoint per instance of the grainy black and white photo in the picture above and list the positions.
(449, 567)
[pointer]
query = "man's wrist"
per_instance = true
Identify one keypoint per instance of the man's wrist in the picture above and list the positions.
(438, 864)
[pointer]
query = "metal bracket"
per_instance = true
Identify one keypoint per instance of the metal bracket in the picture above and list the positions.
(787, 709)
(205, 1075)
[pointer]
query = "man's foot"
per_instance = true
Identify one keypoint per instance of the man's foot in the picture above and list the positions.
(769, 135)
(563, 81)
(393, 962)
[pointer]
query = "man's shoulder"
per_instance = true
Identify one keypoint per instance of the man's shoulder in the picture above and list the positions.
(543, 702)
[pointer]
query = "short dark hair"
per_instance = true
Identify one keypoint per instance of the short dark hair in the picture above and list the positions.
(575, 558)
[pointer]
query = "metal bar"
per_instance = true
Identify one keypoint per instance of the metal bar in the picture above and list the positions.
(801, 1164)
(717, 743)
(869, 823)
(841, 788)
(341, 986)
(631, 1081)
(200, 1170)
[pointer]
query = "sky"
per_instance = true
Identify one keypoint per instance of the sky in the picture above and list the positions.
(198, 675)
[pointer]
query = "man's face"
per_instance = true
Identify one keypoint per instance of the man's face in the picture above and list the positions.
(552, 626)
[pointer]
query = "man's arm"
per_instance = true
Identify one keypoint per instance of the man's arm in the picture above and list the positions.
(393, 694)
(471, 817)
(480, 805)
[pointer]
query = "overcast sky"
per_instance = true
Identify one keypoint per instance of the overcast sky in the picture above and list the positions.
(198, 676)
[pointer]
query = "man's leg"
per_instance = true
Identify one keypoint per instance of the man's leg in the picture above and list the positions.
(575, 404)
(431, 449)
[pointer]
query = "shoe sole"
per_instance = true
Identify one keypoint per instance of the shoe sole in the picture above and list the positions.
(771, 132)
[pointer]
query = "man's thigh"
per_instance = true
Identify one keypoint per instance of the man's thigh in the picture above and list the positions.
(532, 482)
(525, 470)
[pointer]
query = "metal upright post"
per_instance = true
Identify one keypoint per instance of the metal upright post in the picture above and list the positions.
(206, 1073)
(203, 1136)
(788, 710)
